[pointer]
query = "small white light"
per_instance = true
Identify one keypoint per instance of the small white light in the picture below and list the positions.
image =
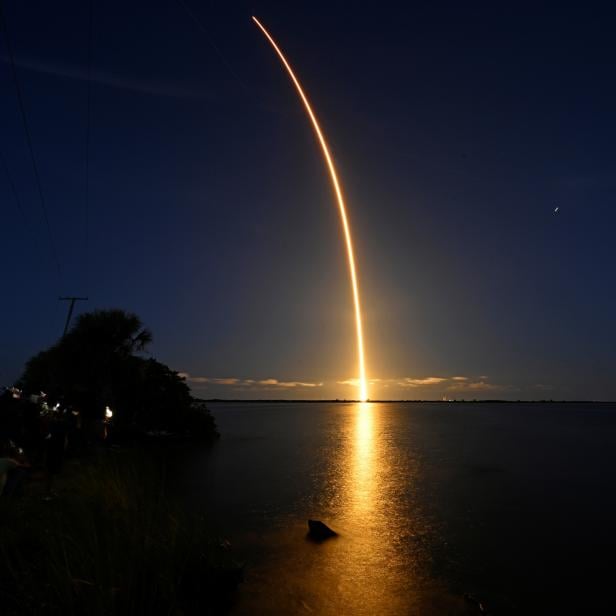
(108, 413)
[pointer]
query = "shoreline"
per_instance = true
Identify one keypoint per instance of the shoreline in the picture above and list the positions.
(401, 401)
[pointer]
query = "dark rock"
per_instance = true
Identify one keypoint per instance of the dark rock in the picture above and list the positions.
(476, 602)
(317, 531)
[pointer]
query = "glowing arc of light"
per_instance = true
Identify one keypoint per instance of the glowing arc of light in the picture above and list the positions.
(363, 384)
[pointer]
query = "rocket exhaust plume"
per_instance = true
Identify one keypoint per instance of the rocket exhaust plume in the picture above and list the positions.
(363, 385)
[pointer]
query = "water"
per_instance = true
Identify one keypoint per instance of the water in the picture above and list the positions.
(513, 503)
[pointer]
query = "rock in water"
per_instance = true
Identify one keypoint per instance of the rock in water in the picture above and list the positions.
(319, 531)
(478, 604)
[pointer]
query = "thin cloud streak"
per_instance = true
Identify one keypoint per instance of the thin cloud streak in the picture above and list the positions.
(436, 384)
(429, 380)
(238, 383)
(453, 383)
(110, 80)
(475, 386)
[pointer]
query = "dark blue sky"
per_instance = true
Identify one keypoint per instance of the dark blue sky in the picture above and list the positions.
(457, 131)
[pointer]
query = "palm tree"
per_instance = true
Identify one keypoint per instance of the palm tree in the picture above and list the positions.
(116, 331)
(98, 363)
(94, 361)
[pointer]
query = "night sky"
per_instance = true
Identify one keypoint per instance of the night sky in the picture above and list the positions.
(458, 128)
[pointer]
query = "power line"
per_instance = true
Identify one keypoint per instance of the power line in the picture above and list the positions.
(24, 120)
(18, 203)
(87, 152)
(9, 178)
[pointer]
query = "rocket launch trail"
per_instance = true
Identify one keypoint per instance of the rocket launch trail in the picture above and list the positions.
(363, 385)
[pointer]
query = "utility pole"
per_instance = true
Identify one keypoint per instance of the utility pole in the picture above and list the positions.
(70, 309)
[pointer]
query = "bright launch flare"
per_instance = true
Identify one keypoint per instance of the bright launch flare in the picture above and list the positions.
(363, 385)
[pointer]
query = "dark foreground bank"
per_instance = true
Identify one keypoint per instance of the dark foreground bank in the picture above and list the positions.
(110, 541)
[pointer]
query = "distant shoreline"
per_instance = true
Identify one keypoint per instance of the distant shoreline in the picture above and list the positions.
(348, 401)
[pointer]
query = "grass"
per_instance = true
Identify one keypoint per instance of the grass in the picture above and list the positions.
(112, 542)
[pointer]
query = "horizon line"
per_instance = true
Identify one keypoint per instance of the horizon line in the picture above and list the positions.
(410, 400)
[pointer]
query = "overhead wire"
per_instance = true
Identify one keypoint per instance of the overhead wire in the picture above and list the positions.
(24, 119)
(18, 203)
(86, 248)
(13, 187)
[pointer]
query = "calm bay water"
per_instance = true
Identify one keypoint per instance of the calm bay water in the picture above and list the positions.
(513, 503)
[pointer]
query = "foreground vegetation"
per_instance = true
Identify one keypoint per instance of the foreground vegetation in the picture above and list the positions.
(102, 363)
(90, 417)
(112, 542)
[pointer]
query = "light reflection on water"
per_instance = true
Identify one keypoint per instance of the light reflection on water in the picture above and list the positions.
(363, 497)
(360, 487)
(510, 502)
(368, 518)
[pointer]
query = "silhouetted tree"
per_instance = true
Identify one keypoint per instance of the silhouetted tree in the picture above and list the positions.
(87, 367)
(98, 364)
